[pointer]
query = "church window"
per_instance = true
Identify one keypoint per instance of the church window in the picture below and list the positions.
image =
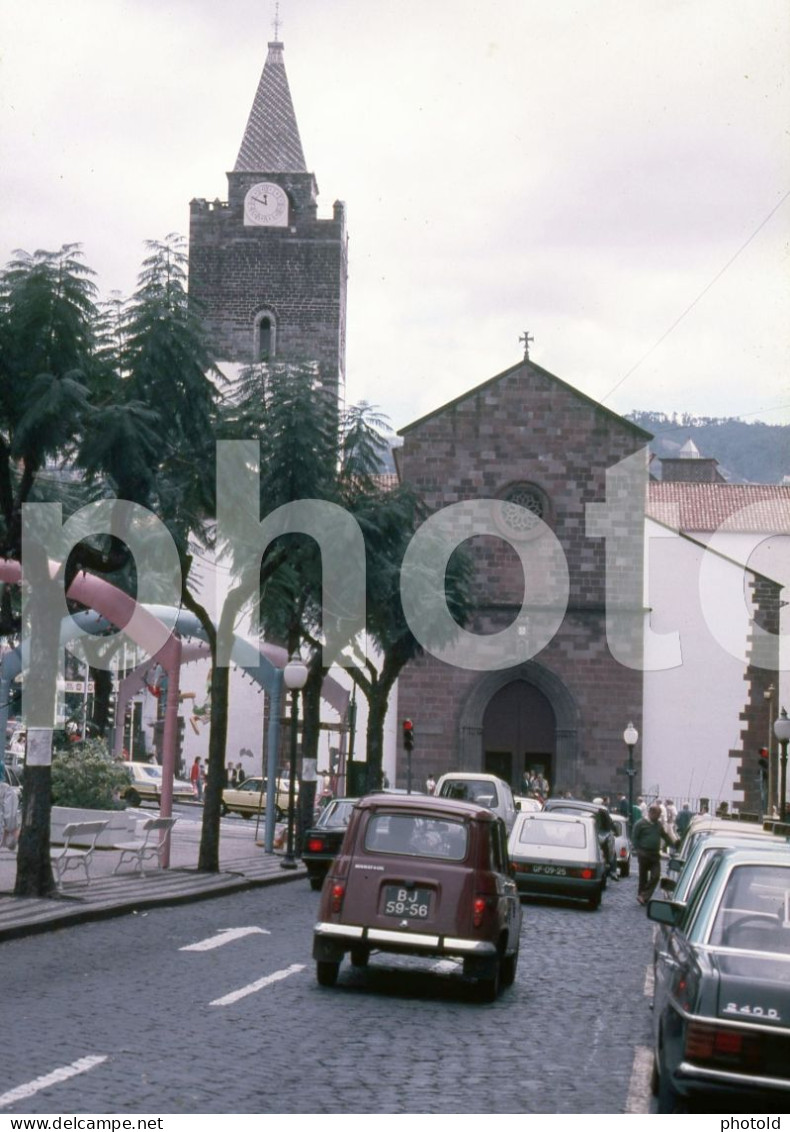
(523, 505)
(265, 338)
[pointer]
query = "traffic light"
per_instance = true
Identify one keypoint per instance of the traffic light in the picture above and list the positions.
(408, 735)
(762, 764)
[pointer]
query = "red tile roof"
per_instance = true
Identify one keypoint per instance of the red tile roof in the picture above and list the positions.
(708, 506)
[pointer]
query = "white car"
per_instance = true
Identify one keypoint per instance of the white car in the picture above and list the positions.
(622, 846)
(482, 789)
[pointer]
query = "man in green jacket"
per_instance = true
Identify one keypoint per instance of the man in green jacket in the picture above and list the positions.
(646, 841)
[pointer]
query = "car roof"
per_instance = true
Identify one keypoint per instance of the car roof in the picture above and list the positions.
(472, 776)
(423, 803)
(552, 815)
(573, 804)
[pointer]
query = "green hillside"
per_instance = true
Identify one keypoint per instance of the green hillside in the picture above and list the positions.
(748, 452)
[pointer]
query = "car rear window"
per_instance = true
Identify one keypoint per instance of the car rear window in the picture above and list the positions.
(571, 835)
(482, 793)
(754, 912)
(413, 836)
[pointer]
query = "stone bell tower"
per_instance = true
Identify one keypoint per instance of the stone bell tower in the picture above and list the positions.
(268, 275)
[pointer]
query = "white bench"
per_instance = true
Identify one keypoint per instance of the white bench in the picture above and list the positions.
(76, 857)
(156, 831)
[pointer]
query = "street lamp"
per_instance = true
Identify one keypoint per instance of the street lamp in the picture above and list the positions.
(630, 738)
(782, 733)
(295, 678)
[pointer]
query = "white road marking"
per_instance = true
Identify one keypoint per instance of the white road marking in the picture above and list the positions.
(226, 935)
(638, 1099)
(252, 988)
(22, 1092)
(650, 981)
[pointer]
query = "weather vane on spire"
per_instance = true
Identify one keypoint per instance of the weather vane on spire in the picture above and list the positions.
(277, 21)
(526, 338)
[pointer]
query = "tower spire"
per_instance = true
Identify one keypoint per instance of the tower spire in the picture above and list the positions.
(271, 142)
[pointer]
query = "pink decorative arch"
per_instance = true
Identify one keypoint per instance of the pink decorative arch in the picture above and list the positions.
(146, 631)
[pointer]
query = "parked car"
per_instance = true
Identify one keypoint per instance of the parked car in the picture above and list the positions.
(604, 822)
(687, 871)
(622, 845)
(145, 785)
(321, 843)
(11, 777)
(527, 803)
(424, 876)
(722, 988)
(703, 825)
(250, 798)
(557, 855)
(482, 789)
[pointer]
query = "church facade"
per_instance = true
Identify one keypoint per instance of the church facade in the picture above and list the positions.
(527, 439)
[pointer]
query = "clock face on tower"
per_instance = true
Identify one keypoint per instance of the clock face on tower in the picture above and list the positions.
(266, 205)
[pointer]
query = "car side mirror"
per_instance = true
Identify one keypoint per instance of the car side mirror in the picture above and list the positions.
(664, 912)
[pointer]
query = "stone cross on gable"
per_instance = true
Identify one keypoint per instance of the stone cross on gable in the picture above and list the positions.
(526, 338)
(276, 22)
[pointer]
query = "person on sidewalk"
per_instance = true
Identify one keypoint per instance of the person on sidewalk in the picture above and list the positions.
(646, 842)
(196, 778)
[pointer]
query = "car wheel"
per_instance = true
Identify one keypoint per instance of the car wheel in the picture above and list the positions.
(246, 816)
(224, 811)
(507, 973)
(359, 957)
(316, 883)
(625, 868)
(326, 972)
(278, 814)
(654, 1077)
(132, 797)
(595, 901)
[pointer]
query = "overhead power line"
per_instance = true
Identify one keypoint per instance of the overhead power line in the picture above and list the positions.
(694, 302)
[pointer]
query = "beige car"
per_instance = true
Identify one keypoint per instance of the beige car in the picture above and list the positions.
(145, 785)
(250, 798)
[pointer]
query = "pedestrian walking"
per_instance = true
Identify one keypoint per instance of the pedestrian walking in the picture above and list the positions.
(430, 785)
(683, 820)
(240, 775)
(646, 840)
(196, 778)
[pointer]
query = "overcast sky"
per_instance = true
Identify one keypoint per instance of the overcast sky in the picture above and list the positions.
(583, 170)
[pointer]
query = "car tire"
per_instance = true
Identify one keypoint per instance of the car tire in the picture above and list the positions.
(224, 811)
(246, 816)
(359, 957)
(594, 902)
(316, 883)
(487, 990)
(326, 972)
(278, 814)
(132, 797)
(625, 868)
(507, 972)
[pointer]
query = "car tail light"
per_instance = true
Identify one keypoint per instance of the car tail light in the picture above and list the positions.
(315, 844)
(708, 1042)
(338, 892)
(587, 874)
(623, 851)
(478, 910)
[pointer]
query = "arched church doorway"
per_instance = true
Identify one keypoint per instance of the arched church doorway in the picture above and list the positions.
(519, 733)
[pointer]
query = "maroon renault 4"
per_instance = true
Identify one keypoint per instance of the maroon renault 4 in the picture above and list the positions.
(419, 875)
